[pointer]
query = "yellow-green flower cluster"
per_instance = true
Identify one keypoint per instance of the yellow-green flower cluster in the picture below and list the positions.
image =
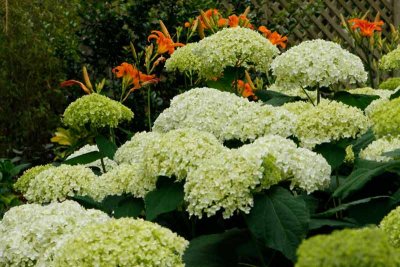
(225, 115)
(58, 183)
(329, 121)
(390, 84)
(317, 63)
(226, 181)
(298, 107)
(234, 47)
(22, 183)
(367, 247)
(30, 234)
(108, 163)
(184, 60)
(391, 61)
(350, 156)
(375, 150)
(391, 226)
(96, 111)
(123, 242)
(386, 118)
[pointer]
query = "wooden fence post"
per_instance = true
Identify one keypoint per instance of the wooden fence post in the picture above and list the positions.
(396, 13)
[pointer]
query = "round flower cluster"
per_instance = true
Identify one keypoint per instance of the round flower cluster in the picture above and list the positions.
(123, 242)
(367, 247)
(328, 121)
(391, 61)
(390, 225)
(390, 84)
(227, 180)
(124, 178)
(30, 234)
(22, 183)
(317, 63)
(184, 60)
(386, 118)
(97, 111)
(225, 115)
(108, 163)
(57, 183)
(233, 47)
(375, 150)
(297, 107)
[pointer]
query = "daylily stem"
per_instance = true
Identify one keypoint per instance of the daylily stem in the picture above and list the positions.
(149, 108)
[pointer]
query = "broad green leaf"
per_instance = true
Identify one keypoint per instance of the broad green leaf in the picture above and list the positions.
(280, 220)
(17, 169)
(395, 198)
(345, 206)
(226, 81)
(106, 147)
(217, 250)
(87, 202)
(167, 197)
(394, 153)
(355, 100)
(395, 95)
(363, 141)
(333, 154)
(274, 98)
(318, 223)
(85, 158)
(129, 207)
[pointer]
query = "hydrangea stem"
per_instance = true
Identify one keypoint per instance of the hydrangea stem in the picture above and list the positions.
(318, 96)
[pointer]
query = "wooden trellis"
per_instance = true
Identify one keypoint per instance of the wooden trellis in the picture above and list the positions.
(327, 24)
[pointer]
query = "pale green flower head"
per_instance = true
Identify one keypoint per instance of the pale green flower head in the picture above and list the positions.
(350, 156)
(297, 107)
(390, 84)
(232, 47)
(184, 60)
(22, 183)
(225, 115)
(375, 150)
(329, 121)
(386, 118)
(58, 183)
(30, 234)
(124, 242)
(96, 111)
(391, 61)
(367, 247)
(317, 63)
(391, 226)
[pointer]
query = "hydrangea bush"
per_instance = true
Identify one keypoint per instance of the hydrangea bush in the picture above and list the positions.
(386, 119)
(390, 225)
(391, 61)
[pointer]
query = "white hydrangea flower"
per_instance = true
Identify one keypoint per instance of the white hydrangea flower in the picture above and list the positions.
(297, 107)
(317, 63)
(108, 163)
(230, 46)
(30, 234)
(124, 242)
(329, 121)
(225, 115)
(375, 150)
(58, 183)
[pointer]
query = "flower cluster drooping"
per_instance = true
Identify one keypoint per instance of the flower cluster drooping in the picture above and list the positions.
(391, 61)
(368, 247)
(386, 118)
(329, 121)
(375, 150)
(390, 225)
(123, 242)
(30, 234)
(58, 183)
(225, 115)
(96, 111)
(317, 63)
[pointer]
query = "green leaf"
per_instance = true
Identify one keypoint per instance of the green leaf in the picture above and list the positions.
(274, 98)
(85, 158)
(217, 250)
(345, 206)
(354, 100)
(129, 207)
(394, 153)
(363, 141)
(333, 154)
(318, 223)
(395, 95)
(280, 220)
(225, 82)
(17, 169)
(87, 202)
(164, 199)
(106, 147)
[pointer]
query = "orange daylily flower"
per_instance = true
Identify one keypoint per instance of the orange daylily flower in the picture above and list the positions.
(277, 39)
(136, 77)
(264, 31)
(366, 27)
(233, 21)
(164, 44)
(74, 82)
(241, 21)
(245, 89)
(124, 69)
(222, 22)
(187, 24)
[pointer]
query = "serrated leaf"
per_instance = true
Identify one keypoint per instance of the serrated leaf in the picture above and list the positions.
(333, 154)
(85, 158)
(355, 100)
(106, 147)
(164, 199)
(217, 250)
(280, 220)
